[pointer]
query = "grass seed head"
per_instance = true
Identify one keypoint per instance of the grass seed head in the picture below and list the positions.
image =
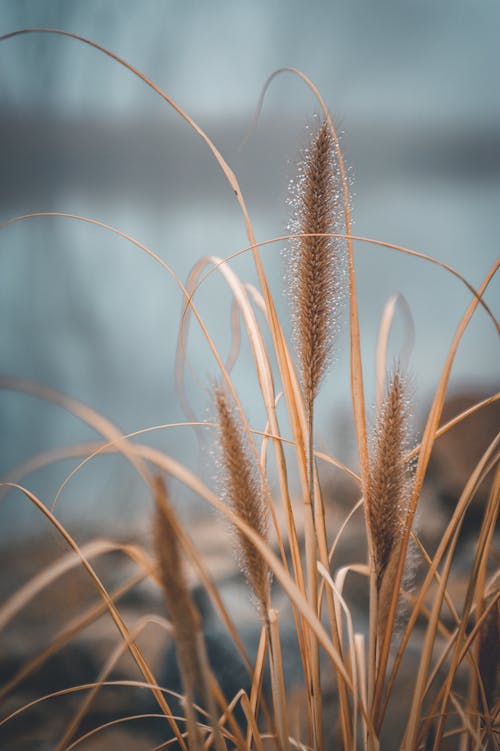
(242, 487)
(389, 481)
(317, 267)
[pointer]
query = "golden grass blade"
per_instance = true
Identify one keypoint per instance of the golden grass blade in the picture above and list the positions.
(229, 174)
(337, 594)
(262, 244)
(253, 730)
(277, 681)
(81, 411)
(395, 302)
(256, 690)
(91, 449)
(227, 715)
(73, 690)
(113, 723)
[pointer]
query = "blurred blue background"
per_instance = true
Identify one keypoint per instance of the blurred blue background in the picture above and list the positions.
(412, 86)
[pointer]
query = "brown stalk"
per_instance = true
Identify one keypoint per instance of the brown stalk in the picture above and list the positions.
(185, 618)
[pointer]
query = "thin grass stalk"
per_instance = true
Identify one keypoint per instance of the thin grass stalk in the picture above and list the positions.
(277, 681)
(303, 634)
(336, 589)
(256, 689)
(227, 710)
(334, 615)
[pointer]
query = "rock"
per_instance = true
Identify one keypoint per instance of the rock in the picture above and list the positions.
(457, 452)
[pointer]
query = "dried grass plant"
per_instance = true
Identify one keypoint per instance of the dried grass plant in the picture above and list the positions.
(434, 710)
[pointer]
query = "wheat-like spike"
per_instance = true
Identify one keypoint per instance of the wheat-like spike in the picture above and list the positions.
(317, 269)
(183, 613)
(389, 477)
(242, 487)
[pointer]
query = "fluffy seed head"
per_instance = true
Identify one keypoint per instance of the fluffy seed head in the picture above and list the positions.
(242, 488)
(316, 269)
(389, 480)
(183, 613)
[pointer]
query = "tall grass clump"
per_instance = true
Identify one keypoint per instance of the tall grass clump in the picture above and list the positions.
(332, 665)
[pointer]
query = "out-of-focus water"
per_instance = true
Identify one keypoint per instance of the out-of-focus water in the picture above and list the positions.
(413, 87)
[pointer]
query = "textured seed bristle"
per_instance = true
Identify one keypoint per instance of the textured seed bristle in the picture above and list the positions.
(243, 489)
(389, 477)
(317, 276)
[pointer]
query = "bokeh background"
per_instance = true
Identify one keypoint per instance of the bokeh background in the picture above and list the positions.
(412, 86)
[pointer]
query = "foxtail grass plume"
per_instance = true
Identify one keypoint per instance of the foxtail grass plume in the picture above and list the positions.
(242, 487)
(316, 272)
(182, 611)
(389, 484)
